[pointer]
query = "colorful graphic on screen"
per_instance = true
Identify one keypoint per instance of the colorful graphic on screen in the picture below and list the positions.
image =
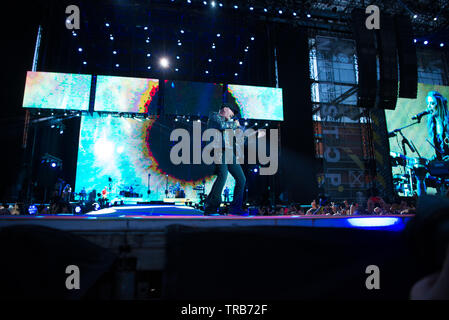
(192, 98)
(262, 103)
(409, 166)
(52, 90)
(129, 157)
(123, 94)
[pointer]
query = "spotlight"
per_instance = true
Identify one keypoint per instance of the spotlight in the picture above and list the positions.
(218, 35)
(111, 38)
(236, 6)
(255, 170)
(251, 8)
(255, 124)
(426, 42)
(252, 38)
(176, 119)
(179, 44)
(415, 16)
(280, 11)
(212, 4)
(177, 57)
(189, 1)
(114, 52)
(266, 124)
(107, 24)
(236, 74)
(441, 44)
(294, 14)
(206, 71)
(220, 4)
(53, 165)
(149, 67)
(246, 123)
(213, 46)
(176, 69)
(240, 62)
(148, 54)
(435, 19)
(80, 49)
(145, 28)
(308, 15)
(84, 62)
(77, 209)
(52, 126)
(205, 3)
(74, 33)
(265, 10)
(147, 41)
(210, 60)
(61, 132)
(182, 31)
(414, 40)
(32, 209)
(164, 62)
(117, 65)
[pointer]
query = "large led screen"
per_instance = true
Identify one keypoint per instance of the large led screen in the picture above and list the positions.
(257, 102)
(122, 153)
(409, 164)
(192, 98)
(52, 90)
(124, 94)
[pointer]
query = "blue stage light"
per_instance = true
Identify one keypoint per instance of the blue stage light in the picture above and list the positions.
(373, 222)
(441, 44)
(177, 57)
(53, 165)
(308, 15)
(426, 42)
(205, 3)
(280, 11)
(32, 209)
(84, 62)
(210, 60)
(236, 6)
(415, 16)
(145, 28)
(114, 52)
(265, 10)
(213, 4)
(414, 40)
(77, 209)
(255, 170)
(80, 49)
(218, 35)
(240, 62)
(107, 24)
(251, 8)
(117, 65)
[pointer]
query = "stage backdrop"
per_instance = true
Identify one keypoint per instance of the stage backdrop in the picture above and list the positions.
(401, 116)
(52, 90)
(124, 94)
(119, 153)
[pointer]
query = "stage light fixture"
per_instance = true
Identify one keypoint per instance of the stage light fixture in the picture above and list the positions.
(84, 62)
(189, 1)
(266, 124)
(280, 11)
(265, 10)
(107, 24)
(147, 41)
(32, 209)
(252, 38)
(52, 126)
(294, 14)
(53, 165)
(236, 6)
(218, 35)
(205, 3)
(251, 8)
(164, 62)
(182, 31)
(210, 60)
(206, 71)
(236, 74)
(414, 40)
(240, 62)
(435, 19)
(177, 57)
(441, 44)
(415, 16)
(145, 28)
(39, 113)
(111, 38)
(77, 209)
(179, 44)
(117, 65)
(308, 15)
(255, 170)
(213, 46)
(255, 124)
(80, 49)
(114, 52)
(74, 33)
(213, 4)
(246, 123)
(426, 42)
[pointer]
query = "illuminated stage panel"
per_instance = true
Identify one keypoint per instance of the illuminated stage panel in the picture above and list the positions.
(127, 150)
(52, 90)
(123, 94)
(192, 98)
(418, 133)
(262, 103)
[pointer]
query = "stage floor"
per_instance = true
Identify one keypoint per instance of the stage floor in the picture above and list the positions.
(153, 217)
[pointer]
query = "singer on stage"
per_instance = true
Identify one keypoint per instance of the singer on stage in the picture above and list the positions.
(438, 124)
(222, 120)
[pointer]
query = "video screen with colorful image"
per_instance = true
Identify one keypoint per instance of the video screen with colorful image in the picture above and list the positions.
(262, 103)
(413, 117)
(51, 90)
(192, 98)
(124, 94)
(130, 159)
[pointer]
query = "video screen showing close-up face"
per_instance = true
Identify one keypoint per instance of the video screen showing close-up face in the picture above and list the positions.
(421, 121)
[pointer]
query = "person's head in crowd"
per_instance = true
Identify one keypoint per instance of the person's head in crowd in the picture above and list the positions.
(314, 204)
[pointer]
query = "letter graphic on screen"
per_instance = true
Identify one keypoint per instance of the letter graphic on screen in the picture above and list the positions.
(192, 98)
(262, 103)
(124, 94)
(52, 90)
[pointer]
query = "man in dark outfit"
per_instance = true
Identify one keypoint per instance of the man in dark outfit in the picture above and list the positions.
(221, 121)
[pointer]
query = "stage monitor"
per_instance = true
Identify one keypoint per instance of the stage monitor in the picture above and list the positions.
(124, 94)
(51, 90)
(130, 159)
(262, 103)
(192, 98)
(409, 165)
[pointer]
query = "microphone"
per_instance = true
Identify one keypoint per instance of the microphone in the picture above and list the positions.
(420, 115)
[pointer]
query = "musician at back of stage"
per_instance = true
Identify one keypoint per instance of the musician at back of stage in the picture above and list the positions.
(438, 124)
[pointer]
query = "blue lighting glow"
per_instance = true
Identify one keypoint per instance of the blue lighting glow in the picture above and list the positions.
(32, 209)
(373, 222)
(53, 165)
(77, 209)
